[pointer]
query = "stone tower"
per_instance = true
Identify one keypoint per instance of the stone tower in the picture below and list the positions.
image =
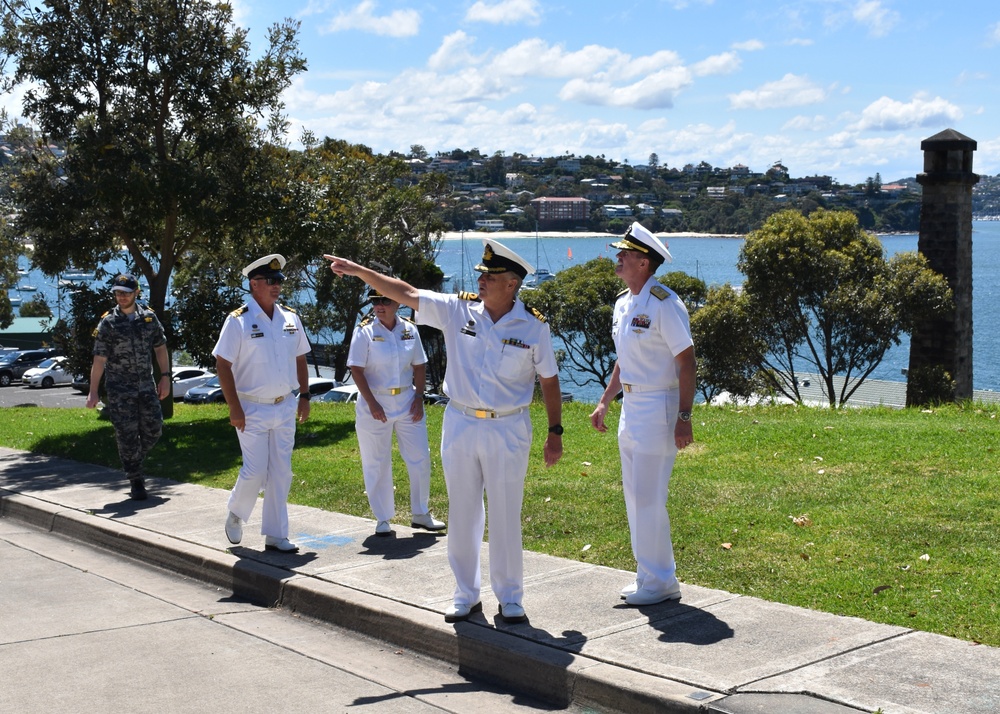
(941, 350)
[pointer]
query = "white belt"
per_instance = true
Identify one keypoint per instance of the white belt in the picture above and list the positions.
(391, 390)
(260, 400)
(641, 388)
(483, 413)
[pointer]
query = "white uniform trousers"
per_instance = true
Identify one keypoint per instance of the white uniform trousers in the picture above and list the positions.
(648, 450)
(267, 442)
(375, 443)
(488, 455)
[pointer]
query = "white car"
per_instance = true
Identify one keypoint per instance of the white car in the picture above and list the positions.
(187, 377)
(47, 374)
(348, 393)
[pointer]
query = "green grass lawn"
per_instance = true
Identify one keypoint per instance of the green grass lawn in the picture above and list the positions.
(888, 515)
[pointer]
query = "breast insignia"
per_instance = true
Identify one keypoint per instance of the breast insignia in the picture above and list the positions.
(659, 292)
(465, 295)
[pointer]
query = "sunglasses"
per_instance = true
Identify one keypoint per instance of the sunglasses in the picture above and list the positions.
(379, 300)
(272, 281)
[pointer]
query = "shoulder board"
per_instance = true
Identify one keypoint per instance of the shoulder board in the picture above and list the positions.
(621, 293)
(659, 292)
(289, 309)
(540, 316)
(366, 321)
(406, 319)
(239, 311)
(464, 295)
(106, 314)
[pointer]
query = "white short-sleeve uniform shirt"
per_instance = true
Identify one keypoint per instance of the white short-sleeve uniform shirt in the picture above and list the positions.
(262, 350)
(649, 329)
(387, 356)
(490, 366)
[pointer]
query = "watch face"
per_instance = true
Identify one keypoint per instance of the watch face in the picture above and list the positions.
(557, 430)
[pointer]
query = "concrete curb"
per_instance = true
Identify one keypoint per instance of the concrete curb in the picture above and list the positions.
(547, 673)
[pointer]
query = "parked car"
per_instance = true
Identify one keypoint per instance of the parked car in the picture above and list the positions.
(210, 391)
(439, 399)
(81, 383)
(13, 365)
(47, 374)
(321, 385)
(186, 378)
(346, 394)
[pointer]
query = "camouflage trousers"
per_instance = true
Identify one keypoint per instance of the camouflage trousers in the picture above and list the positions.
(138, 422)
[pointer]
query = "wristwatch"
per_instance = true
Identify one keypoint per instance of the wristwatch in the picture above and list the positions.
(556, 429)
(305, 395)
(684, 416)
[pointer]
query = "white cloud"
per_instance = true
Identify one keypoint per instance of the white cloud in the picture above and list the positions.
(654, 91)
(504, 12)
(725, 63)
(789, 91)
(873, 15)
(748, 46)
(535, 57)
(885, 114)
(398, 23)
(804, 123)
(454, 52)
(800, 42)
(993, 34)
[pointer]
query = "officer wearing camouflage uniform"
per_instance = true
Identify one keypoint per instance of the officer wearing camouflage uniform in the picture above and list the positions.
(124, 341)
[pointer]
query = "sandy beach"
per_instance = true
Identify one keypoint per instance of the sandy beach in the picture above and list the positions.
(504, 235)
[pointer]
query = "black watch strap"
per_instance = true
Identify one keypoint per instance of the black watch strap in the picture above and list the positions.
(556, 429)
(305, 395)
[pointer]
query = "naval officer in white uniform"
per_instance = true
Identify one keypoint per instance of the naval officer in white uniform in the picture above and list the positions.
(261, 358)
(388, 364)
(656, 371)
(496, 346)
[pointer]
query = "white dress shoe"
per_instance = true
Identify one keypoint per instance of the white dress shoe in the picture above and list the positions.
(383, 529)
(646, 596)
(459, 611)
(512, 612)
(234, 528)
(427, 522)
(282, 545)
(629, 589)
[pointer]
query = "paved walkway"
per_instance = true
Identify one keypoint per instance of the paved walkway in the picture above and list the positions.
(711, 652)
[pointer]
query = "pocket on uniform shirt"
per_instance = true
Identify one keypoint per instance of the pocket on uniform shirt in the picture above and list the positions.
(515, 363)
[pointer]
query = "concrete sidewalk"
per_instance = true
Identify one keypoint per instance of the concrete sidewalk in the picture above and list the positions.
(710, 652)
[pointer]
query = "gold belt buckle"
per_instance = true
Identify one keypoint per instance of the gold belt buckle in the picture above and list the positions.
(395, 390)
(483, 414)
(279, 400)
(628, 387)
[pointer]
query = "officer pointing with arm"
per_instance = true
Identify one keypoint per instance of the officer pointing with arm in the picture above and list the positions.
(496, 347)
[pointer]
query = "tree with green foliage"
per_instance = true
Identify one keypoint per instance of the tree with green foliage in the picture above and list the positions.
(36, 307)
(164, 119)
(820, 294)
(578, 304)
(358, 205)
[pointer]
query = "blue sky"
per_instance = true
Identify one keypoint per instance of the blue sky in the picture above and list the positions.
(845, 88)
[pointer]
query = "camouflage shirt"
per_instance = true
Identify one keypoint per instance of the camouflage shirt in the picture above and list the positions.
(127, 343)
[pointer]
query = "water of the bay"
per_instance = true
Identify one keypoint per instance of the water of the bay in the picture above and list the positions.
(713, 259)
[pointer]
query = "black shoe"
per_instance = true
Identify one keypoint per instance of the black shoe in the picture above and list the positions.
(138, 490)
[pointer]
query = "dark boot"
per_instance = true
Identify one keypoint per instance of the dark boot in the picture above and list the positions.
(138, 490)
